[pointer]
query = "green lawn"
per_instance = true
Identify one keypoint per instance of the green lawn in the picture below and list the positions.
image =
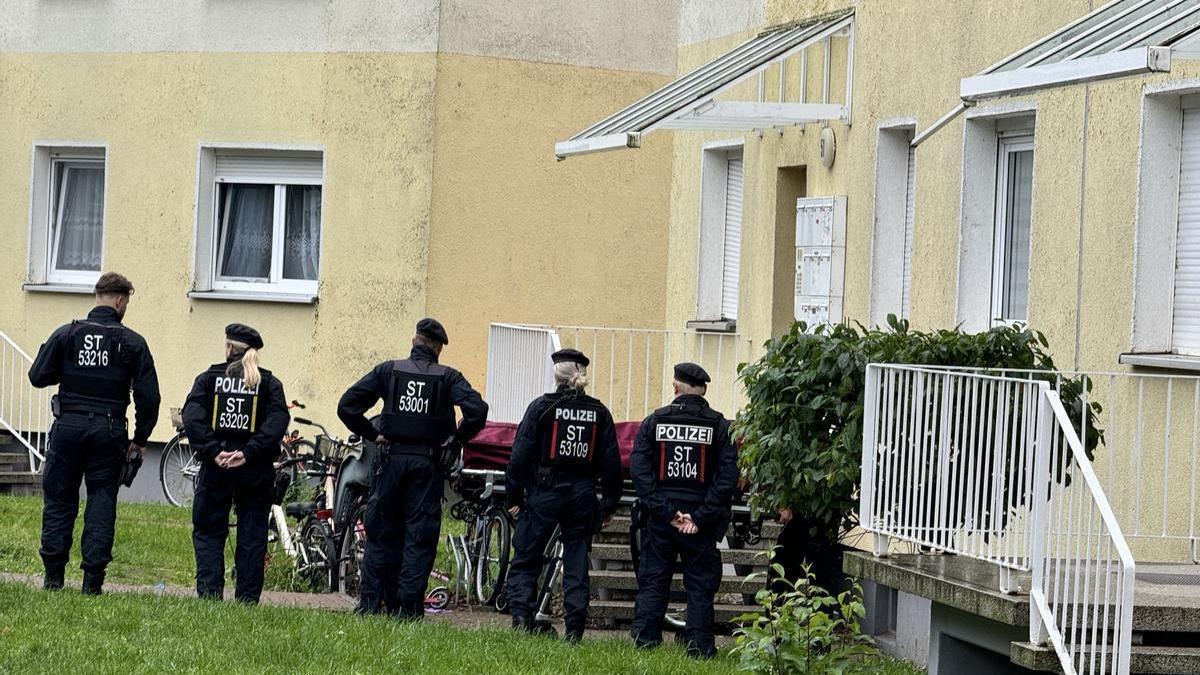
(146, 633)
(125, 633)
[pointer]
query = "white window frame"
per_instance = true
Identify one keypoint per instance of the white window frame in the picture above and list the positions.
(984, 127)
(209, 283)
(710, 264)
(45, 209)
(1008, 145)
(1157, 226)
(888, 269)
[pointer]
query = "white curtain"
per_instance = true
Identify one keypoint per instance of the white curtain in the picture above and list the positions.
(80, 227)
(247, 217)
(302, 232)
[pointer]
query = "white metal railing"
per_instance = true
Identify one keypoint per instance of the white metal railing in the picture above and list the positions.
(1082, 595)
(631, 368)
(989, 466)
(948, 462)
(24, 409)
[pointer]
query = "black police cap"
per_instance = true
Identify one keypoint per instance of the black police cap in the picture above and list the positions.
(570, 356)
(690, 373)
(432, 329)
(240, 332)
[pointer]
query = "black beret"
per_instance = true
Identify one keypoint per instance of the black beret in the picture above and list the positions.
(690, 373)
(570, 356)
(432, 329)
(240, 332)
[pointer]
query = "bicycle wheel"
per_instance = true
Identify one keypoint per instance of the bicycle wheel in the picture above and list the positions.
(550, 579)
(354, 544)
(177, 471)
(317, 566)
(492, 564)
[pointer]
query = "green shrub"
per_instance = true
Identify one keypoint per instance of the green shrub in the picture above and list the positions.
(803, 629)
(802, 428)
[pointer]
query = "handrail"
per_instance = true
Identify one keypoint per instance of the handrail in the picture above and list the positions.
(991, 467)
(1073, 561)
(24, 409)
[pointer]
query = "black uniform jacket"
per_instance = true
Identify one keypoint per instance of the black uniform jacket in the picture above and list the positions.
(47, 370)
(523, 463)
(365, 393)
(719, 496)
(263, 446)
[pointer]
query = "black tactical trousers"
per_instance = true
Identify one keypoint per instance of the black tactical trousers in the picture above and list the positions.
(247, 488)
(572, 505)
(403, 522)
(83, 448)
(661, 546)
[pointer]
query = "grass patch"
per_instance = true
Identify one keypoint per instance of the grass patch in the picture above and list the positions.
(126, 633)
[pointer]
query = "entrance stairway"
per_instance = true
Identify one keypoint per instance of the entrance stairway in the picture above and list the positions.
(15, 476)
(614, 584)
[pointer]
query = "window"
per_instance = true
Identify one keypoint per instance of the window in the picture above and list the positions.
(720, 235)
(264, 224)
(67, 226)
(1185, 321)
(996, 216)
(895, 200)
(1010, 247)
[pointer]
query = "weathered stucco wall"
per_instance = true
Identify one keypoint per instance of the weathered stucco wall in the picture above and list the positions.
(909, 58)
(519, 237)
(373, 116)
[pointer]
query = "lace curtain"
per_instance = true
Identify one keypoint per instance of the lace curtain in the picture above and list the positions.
(302, 232)
(247, 217)
(80, 226)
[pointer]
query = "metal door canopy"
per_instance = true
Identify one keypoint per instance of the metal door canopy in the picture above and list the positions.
(688, 102)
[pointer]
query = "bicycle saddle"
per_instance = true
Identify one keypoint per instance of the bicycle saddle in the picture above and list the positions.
(300, 509)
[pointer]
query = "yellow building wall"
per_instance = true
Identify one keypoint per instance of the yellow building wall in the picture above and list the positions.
(520, 237)
(373, 116)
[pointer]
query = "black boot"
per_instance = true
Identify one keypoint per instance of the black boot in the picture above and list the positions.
(573, 637)
(520, 623)
(544, 628)
(52, 581)
(93, 584)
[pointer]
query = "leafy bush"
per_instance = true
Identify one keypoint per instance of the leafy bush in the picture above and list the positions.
(802, 629)
(802, 429)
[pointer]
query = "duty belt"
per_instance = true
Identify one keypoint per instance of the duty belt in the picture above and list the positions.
(89, 409)
(411, 449)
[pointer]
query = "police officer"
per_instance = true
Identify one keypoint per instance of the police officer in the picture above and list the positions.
(564, 444)
(684, 467)
(417, 432)
(234, 417)
(95, 362)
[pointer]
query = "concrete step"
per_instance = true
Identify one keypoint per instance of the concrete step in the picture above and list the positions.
(622, 610)
(14, 461)
(1143, 659)
(20, 478)
(626, 580)
(731, 556)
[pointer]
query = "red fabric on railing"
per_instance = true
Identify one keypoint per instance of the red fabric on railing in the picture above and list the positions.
(491, 448)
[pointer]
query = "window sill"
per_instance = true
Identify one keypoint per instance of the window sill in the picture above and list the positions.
(713, 326)
(242, 296)
(73, 289)
(1164, 361)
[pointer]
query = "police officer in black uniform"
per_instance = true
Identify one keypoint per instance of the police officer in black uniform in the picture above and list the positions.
(234, 417)
(417, 432)
(95, 362)
(564, 444)
(684, 467)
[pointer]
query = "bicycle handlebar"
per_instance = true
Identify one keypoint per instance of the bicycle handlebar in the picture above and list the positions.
(308, 422)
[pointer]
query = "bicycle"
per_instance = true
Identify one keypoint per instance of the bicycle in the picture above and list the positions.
(179, 466)
(311, 545)
(483, 552)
